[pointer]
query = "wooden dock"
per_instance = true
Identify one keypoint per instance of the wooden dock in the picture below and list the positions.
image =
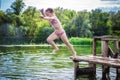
(93, 60)
(112, 62)
(108, 58)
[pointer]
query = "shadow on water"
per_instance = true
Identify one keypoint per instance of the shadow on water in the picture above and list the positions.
(98, 76)
(86, 77)
(92, 77)
(37, 63)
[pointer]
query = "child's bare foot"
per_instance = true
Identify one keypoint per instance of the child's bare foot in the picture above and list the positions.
(54, 51)
(74, 55)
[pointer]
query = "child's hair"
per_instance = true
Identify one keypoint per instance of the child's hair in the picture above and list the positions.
(49, 10)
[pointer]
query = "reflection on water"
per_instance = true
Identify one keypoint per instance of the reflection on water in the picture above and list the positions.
(36, 63)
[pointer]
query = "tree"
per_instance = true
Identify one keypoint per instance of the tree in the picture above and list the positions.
(42, 34)
(79, 26)
(99, 21)
(65, 15)
(115, 29)
(17, 6)
(1, 17)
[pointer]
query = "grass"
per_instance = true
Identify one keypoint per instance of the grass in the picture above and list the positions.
(82, 41)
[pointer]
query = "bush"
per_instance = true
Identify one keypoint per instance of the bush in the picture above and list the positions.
(80, 41)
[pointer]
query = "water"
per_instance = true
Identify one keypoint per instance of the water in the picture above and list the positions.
(37, 63)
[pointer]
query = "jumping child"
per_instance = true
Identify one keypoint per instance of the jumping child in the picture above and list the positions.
(59, 32)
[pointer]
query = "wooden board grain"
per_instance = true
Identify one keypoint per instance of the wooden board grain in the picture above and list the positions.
(99, 60)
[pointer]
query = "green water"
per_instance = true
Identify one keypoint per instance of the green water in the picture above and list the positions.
(37, 63)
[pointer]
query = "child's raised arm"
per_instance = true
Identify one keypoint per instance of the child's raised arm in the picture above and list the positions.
(42, 12)
(43, 16)
(47, 18)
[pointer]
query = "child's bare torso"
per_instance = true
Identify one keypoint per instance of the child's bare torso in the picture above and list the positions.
(56, 25)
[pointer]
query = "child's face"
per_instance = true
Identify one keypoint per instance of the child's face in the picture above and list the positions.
(48, 14)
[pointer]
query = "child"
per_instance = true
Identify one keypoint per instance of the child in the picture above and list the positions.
(59, 32)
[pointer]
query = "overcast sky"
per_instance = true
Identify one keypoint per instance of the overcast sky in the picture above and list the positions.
(66, 4)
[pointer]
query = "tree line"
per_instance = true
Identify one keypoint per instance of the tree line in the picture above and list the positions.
(26, 26)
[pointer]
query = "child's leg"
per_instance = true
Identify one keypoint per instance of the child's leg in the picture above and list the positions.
(51, 39)
(65, 40)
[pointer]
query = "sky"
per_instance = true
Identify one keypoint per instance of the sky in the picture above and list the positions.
(5, 4)
(77, 5)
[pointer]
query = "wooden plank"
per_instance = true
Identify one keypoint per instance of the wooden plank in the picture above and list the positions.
(99, 60)
(109, 38)
(105, 38)
(97, 37)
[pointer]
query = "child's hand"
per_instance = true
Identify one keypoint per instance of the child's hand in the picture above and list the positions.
(42, 10)
(42, 16)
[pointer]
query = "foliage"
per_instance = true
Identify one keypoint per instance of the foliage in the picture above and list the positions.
(115, 19)
(29, 27)
(80, 41)
(31, 18)
(99, 21)
(1, 17)
(17, 6)
(42, 34)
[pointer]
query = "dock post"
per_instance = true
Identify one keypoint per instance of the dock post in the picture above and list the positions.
(76, 67)
(94, 54)
(94, 46)
(118, 72)
(105, 69)
(116, 45)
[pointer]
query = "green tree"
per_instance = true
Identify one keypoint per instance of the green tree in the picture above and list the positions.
(99, 21)
(2, 16)
(17, 6)
(79, 26)
(42, 34)
(115, 29)
(29, 17)
(65, 15)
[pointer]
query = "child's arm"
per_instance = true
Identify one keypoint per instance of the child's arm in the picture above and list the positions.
(42, 12)
(47, 18)
(43, 16)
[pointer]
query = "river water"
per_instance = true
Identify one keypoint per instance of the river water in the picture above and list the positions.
(37, 63)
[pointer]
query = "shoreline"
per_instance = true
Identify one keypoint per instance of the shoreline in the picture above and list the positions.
(30, 45)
